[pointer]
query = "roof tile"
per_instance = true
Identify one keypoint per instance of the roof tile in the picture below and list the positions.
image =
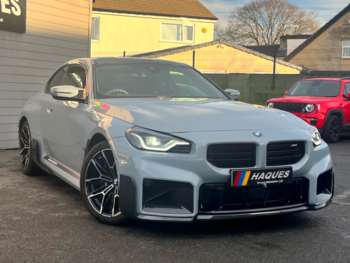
(174, 8)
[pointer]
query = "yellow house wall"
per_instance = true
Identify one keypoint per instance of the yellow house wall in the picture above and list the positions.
(140, 33)
(224, 59)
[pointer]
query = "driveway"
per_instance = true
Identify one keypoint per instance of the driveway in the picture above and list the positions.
(43, 220)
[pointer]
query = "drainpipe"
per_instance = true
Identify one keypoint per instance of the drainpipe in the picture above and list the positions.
(194, 58)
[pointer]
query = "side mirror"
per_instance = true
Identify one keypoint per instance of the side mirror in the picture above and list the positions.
(347, 95)
(233, 93)
(70, 93)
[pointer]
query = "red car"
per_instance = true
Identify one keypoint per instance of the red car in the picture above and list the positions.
(321, 102)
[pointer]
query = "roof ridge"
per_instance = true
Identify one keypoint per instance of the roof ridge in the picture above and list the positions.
(318, 33)
(170, 51)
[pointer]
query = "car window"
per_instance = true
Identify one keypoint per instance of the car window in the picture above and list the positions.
(347, 88)
(149, 79)
(56, 79)
(316, 88)
(74, 76)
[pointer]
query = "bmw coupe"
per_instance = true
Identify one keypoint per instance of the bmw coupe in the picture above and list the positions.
(156, 140)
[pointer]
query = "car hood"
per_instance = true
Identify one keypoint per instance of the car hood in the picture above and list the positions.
(301, 99)
(190, 115)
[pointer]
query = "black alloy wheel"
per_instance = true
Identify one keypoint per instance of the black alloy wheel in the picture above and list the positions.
(100, 184)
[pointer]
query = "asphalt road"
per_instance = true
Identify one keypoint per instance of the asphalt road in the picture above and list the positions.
(43, 220)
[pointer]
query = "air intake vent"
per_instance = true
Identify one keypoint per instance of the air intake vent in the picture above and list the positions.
(232, 155)
(284, 153)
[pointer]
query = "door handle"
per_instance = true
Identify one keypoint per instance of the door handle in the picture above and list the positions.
(49, 110)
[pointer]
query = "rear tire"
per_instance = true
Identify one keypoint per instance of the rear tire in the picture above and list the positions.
(333, 129)
(27, 152)
(99, 185)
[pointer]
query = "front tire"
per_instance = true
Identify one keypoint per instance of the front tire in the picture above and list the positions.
(99, 185)
(332, 129)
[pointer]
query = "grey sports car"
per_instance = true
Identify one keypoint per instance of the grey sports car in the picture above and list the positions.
(156, 140)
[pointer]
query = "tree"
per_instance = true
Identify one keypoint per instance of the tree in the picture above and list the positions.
(263, 22)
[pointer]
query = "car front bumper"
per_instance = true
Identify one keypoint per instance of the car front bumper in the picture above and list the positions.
(315, 119)
(189, 172)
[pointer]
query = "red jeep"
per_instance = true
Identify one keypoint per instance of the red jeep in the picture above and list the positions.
(321, 102)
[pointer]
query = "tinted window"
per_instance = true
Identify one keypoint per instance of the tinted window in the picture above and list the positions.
(147, 79)
(74, 76)
(347, 88)
(316, 88)
(56, 79)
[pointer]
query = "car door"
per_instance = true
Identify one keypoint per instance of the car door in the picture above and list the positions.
(47, 125)
(346, 108)
(70, 122)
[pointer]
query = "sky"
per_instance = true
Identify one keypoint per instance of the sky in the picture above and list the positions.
(324, 9)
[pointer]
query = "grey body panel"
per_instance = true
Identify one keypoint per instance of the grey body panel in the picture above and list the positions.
(63, 130)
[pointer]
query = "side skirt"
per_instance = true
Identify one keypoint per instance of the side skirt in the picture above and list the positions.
(63, 172)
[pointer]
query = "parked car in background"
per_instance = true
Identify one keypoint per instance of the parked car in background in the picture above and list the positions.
(155, 140)
(321, 102)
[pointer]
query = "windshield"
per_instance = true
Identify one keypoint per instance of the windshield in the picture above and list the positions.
(315, 88)
(150, 79)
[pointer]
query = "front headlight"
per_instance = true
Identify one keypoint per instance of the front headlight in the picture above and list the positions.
(149, 140)
(316, 138)
(309, 108)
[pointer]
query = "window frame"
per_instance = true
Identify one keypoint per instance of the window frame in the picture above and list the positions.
(183, 40)
(93, 28)
(65, 69)
(48, 84)
(343, 46)
(346, 88)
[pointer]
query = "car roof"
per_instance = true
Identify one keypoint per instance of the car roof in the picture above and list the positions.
(124, 60)
(324, 78)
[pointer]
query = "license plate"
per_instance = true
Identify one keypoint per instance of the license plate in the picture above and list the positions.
(242, 178)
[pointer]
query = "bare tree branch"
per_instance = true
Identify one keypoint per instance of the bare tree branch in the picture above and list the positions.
(263, 22)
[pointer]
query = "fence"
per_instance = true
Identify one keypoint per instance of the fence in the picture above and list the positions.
(257, 88)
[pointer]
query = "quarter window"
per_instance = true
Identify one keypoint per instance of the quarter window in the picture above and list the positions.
(56, 79)
(75, 76)
(95, 28)
(346, 48)
(177, 32)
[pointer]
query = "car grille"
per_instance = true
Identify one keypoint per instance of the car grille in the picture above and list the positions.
(290, 107)
(223, 198)
(284, 153)
(232, 155)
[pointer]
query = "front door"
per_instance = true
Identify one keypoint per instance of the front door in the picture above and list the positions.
(68, 123)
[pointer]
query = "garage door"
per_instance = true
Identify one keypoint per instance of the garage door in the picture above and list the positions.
(54, 32)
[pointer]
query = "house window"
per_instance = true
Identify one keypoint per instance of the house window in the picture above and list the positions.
(346, 49)
(95, 28)
(188, 33)
(177, 32)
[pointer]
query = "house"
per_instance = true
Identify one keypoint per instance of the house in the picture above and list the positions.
(288, 43)
(223, 57)
(329, 48)
(122, 27)
(269, 50)
(36, 37)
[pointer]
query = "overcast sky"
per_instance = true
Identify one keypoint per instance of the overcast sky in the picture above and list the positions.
(324, 9)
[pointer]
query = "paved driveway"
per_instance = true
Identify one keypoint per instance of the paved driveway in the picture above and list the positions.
(43, 220)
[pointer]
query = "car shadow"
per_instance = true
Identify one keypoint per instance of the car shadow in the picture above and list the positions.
(258, 225)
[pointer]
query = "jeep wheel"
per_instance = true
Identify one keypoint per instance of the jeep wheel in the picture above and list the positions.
(332, 129)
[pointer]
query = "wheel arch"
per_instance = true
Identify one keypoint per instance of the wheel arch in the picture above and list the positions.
(336, 112)
(95, 139)
(22, 120)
